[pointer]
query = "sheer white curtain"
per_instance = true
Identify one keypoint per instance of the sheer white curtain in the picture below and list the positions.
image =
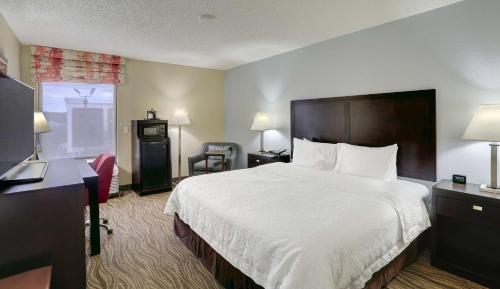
(82, 117)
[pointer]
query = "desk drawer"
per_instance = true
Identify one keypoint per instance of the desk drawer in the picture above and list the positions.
(470, 211)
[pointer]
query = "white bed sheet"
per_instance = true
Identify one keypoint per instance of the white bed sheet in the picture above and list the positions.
(292, 227)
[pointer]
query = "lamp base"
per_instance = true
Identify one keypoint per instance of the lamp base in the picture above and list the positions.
(485, 188)
(261, 150)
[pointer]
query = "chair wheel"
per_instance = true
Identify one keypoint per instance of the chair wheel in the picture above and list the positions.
(104, 221)
(110, 231)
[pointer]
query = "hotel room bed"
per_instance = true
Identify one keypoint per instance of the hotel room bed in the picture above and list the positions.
(231, 277)
(292, 227)
(287, 226)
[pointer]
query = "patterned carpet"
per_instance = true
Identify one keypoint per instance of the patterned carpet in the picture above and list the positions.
(144, 253)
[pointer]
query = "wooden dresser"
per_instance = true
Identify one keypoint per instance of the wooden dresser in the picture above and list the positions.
(466, 232)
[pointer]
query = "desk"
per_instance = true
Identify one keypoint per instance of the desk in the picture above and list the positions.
(43, 223)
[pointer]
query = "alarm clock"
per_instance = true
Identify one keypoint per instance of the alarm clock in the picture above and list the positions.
(459, 179)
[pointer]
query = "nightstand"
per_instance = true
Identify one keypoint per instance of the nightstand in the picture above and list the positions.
(257, 159)
(466, 232)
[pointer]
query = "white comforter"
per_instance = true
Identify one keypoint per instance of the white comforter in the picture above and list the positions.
(292, 227)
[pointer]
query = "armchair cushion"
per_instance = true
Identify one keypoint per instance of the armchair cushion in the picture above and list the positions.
(214, 165)
(213, 147)
(220, 148)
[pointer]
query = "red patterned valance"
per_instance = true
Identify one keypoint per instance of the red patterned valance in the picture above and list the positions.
(55, 64)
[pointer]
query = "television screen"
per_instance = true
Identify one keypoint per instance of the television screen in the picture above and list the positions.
(16, 123)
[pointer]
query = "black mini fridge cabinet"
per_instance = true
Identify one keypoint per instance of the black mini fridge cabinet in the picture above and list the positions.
(151, 164)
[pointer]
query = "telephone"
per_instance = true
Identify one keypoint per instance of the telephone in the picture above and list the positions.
(277, 152)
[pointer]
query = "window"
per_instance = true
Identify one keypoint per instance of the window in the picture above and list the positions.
(82, 119)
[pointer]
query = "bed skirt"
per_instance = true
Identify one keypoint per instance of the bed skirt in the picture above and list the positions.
(232, 278)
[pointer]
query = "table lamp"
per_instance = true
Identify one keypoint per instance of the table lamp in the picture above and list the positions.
(261, 123)
(41, 125)
(485, 126)
(180, 119)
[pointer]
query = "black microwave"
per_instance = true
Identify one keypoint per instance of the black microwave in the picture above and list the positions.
(152, 129)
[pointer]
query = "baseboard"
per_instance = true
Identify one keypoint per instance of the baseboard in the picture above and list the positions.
(128, 187)
(121, 190)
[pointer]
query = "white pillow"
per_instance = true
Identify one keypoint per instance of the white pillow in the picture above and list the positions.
(374, 162)
(315, 155)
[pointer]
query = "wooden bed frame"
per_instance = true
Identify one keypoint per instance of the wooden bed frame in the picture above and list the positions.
(405, 118)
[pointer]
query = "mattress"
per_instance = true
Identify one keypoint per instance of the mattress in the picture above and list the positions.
(287, 226)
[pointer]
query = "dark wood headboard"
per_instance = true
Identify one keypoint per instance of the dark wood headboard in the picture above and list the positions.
(406, 118)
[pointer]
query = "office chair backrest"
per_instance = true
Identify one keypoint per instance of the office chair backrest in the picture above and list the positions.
(104, 165)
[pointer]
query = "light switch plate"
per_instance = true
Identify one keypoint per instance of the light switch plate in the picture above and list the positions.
(125, 127)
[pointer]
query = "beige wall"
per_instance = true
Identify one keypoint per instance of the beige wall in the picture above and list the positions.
(10, 48)
(167, 87)
(26, 71)
(164, 87)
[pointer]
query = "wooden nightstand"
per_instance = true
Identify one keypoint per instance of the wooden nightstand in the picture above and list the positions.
(466, 232)
(257, 159)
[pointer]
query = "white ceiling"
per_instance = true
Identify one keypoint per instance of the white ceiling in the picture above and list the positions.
(170, 31)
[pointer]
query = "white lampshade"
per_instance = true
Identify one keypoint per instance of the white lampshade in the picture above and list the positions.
(180, 118)
(262, 122)
(41, 124)
(485, 125)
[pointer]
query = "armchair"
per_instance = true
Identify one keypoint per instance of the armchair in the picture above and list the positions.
(197, 163)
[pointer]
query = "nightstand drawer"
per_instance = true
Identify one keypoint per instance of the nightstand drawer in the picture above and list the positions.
(257, 159)
(254, 161)
(470, 211)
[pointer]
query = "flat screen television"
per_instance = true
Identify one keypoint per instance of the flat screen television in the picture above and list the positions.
(16, 123)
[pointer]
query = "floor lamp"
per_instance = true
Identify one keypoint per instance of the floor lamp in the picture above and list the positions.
(180, 119)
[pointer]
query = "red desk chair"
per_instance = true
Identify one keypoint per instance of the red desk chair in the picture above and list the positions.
(103, 165)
